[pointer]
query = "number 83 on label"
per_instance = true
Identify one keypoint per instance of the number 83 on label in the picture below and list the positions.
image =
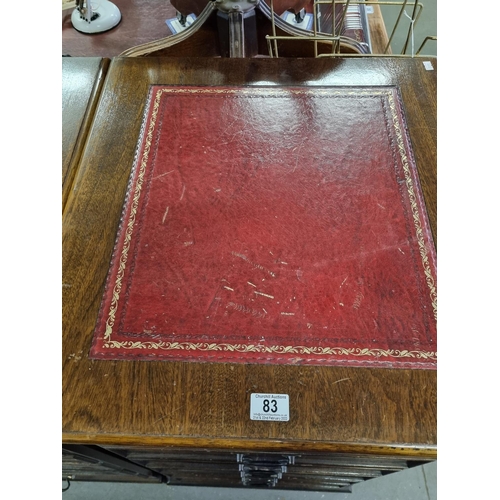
(272, 407)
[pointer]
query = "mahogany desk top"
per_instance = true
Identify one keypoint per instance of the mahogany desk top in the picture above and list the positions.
(81, 85)
(204, 405)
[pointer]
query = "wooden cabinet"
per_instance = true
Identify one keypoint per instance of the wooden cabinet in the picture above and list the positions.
(219, 467)
(298, 471)
(188, 421)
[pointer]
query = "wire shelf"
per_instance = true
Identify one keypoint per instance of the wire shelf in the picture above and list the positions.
(349, 32)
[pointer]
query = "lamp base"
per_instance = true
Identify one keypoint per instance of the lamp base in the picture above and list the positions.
(105, 17)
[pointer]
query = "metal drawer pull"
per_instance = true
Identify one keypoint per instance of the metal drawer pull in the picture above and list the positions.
(67, 487)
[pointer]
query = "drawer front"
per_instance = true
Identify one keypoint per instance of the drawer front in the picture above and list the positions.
(309, 471)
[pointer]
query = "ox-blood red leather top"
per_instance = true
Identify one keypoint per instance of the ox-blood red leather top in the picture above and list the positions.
(273, 225)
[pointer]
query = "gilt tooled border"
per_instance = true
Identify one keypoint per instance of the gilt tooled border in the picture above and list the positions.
(252, 348)
(424, 254)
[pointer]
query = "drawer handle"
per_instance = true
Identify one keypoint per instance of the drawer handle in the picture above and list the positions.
(67, 487)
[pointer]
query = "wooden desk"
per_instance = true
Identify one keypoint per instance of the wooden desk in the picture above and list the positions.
(179, 419)
(81, 86)
(144, 21)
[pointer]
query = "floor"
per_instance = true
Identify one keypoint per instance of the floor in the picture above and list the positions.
(419, 483)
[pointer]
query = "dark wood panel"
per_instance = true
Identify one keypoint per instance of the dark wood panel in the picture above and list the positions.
(223, 468)
(360, 410)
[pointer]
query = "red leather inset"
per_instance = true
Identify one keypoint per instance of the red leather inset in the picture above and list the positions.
(273, 225)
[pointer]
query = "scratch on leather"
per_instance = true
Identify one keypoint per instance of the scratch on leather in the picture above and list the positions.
(161, 175)
(253, 264)
(357, 301)
(165, 215)
(245, 310)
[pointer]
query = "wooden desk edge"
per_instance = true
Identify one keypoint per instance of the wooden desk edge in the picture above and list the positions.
(83, 133)
(408, 450)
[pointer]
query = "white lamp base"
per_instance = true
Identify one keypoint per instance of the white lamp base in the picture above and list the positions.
(106, 16)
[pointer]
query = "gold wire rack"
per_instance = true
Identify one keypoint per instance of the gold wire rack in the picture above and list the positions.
(336, 37)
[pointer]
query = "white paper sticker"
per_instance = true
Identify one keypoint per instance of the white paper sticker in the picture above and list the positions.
(273, 407)
(369, 9)
(428, 65)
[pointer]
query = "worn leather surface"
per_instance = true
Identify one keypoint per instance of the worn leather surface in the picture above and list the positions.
(273, 225)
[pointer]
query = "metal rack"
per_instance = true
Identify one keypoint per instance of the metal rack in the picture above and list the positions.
(336, 35)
